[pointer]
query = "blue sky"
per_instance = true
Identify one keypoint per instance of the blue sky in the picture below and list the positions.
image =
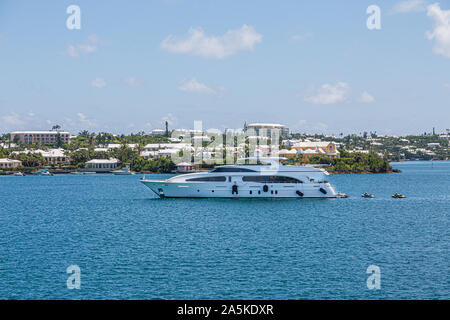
(314, 66)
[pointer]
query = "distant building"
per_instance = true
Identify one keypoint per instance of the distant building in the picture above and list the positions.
(54, 156)
(309, 149)
(157, 132)
(40, 136)
(287, 153)
(200, 139)
(51, 156)
(434, 144)
(101, 165)
(166, 153)
(160, 146)
(266, 129)
(184, 167)
(6, 163)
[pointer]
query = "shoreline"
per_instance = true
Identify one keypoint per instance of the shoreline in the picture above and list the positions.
(364, 172)
(10, 173)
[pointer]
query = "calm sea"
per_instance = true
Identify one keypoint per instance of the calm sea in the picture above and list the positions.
(130, 245)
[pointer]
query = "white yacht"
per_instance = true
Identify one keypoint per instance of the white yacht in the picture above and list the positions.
(267, 179)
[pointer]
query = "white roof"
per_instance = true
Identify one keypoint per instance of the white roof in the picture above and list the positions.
(167, 151)
(39, 132)
(52, 153)
(167, 145)
(6, 160)
(114, 145)
(273, 125)
(310, 144)
(148, 153)
(184, 164)
(111, 160)
(285, 151)
(6, 145)
(309, 151)
(201, 138)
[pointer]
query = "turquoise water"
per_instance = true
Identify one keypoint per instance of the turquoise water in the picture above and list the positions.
(131, 246)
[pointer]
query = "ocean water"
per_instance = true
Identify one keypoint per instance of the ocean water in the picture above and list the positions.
(130, 245)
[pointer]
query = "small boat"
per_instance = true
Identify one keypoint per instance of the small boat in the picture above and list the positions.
(398, 196)
(341, 195)
(125, 171)
(42, 173)
(18, 174)
(367, 195)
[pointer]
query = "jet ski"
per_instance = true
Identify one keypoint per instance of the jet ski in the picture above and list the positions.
(367, 195)
(398, 196)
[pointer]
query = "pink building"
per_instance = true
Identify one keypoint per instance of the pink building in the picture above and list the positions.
(40, 136)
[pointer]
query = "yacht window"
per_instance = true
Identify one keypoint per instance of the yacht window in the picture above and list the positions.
(228, 169)
(208, 179)
(270, 179)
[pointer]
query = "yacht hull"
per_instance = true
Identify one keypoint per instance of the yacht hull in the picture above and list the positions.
(166, 189)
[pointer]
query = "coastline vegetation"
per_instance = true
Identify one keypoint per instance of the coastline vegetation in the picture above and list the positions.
(370, 153)
(354, 163)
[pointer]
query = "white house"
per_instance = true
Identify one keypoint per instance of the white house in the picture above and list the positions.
(167, 152)
(6, 163)
(101, 165)
(287, 153)
(161, 146)
(157, 132)
(54, 156)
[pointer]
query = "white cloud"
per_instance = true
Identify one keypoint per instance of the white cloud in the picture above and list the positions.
(305, 126)
(85, 122)
(31, 121)
(132, 82)
(218, 47)
(75, 51)
(409, 6)
(329, 94)
(98, 83)
(366, 97)
(93, 38)
(321, 126)
(170, 118)
(441, 31)
(193, 85)
(302, 36)
(299, 125)
(12, 119)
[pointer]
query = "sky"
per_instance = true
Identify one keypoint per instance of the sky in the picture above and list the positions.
(314, 66)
